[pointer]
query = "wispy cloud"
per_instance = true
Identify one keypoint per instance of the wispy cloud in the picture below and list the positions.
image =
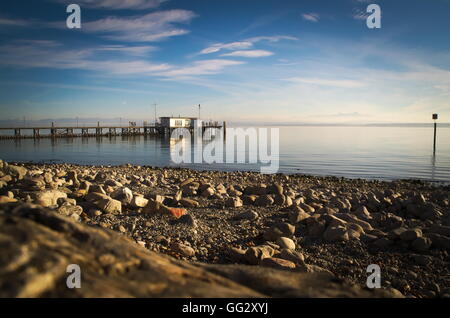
(4, 21)
(328, 82)
(359, 14)
(249, 53)
(131, 50)
(345, 115)
(151, 27)
(245, 44)
(312, 17)
(204, 67)
(275, 38)
(116, 4)
(125, 60)
(50, 54)
(227, 46)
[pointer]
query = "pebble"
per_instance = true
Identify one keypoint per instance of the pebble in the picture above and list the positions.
(183, 249)
(187, 219)
(410, 235)
(279, 230)
(277, 263)
(247, 215)
(286, 243)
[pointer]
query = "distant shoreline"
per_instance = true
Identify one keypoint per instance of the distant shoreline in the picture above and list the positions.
(94, 121)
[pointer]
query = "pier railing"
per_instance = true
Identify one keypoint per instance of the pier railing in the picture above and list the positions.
(92, 131)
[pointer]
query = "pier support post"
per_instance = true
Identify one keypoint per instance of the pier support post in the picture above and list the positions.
(53, 130)
(435, 117)
(434, 139)
(224, 129)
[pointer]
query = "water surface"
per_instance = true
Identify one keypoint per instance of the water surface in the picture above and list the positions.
(356, 152)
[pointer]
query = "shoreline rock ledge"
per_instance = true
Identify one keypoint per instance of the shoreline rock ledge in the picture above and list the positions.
(38, 244)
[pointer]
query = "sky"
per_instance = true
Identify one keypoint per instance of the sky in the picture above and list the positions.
(303, 61)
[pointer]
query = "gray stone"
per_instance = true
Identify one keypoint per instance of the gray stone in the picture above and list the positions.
(17, 171)
(187, 219)
(335, 234)
(188, 203)
(411, 234)
(439, 240)
(297, 215)
(110, 205)
(382, 243)
(139, 202)
(233, 202)
(48, 198)
(97, 188)
(254, 255)
(421, 244)
(70, 209)
(279, 230)
(315, 227)
(293, 256)
(287, 243)
(122, 194)
(363, 212)
(264, 200)
(247, 215)
(277, 263)
(208, 192)
(182, 249)
(422, 260)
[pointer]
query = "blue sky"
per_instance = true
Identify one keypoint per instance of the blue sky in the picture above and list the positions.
(243, 60)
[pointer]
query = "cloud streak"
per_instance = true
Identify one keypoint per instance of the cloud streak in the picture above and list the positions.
(328, 82)
(205, 67)
(249, 53)
(311, 17)
(4, 21)
(116, 4)
(127, 60)
(359, 14)
(150, 27)
(245, 44)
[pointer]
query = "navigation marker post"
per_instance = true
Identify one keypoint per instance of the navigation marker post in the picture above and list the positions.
(435, 117)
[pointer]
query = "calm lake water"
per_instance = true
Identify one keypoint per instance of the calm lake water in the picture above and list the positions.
(355, 152)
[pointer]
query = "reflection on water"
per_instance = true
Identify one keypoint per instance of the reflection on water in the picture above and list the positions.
(365, 152)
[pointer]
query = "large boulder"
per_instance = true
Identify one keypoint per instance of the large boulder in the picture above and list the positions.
(39, 244)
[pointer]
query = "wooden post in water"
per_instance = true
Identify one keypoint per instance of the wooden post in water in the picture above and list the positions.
(435, 117)
(224, 129)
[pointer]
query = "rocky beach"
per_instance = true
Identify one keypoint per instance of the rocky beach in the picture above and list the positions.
(156, 232)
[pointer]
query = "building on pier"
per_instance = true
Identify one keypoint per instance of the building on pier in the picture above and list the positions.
(178, 122)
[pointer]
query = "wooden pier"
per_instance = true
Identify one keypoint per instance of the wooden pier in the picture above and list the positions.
(96, 131)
